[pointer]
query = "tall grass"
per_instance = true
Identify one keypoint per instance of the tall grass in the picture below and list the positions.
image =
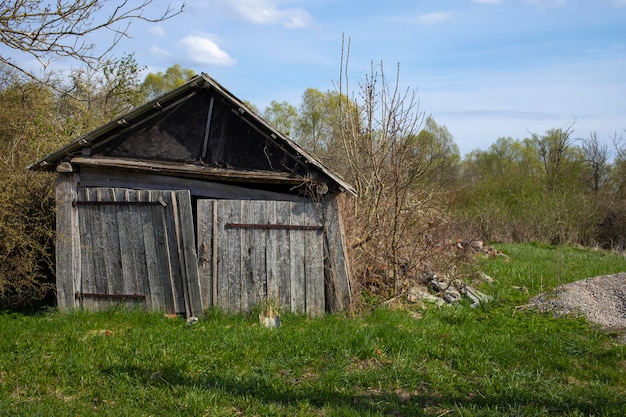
(456, 361)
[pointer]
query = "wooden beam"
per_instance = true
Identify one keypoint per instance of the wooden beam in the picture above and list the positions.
(193, 171)
(103, 177)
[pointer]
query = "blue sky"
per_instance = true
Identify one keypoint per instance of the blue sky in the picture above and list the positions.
(483, 68)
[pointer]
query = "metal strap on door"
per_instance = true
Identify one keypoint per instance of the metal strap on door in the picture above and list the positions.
(271, 226)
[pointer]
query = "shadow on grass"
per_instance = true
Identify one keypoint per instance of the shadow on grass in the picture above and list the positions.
(268, 389)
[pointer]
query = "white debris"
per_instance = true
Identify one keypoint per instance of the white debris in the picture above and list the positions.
(419, 294)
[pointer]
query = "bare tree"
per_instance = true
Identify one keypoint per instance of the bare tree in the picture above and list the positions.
(60, 29)
(619, 143)
(396, 215)
(596, 157)
(619, 165)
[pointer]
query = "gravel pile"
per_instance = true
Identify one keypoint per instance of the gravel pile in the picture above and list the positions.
(601, 299)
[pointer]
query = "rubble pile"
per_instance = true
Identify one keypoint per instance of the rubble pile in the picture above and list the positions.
(439, 290)
(444, 290)
(428, 287)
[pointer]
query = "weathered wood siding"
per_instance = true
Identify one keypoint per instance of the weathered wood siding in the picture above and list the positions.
(67, 242)
(338, 290)
(252, 251)
(137, 248)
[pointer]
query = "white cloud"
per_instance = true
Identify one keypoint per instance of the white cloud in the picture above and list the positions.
(263, 12)
(156, 30)
(204, 51)
(434, 17)
(159, 52)
(619, 3)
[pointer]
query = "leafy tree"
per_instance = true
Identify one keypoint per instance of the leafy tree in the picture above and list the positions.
(61, 29)
(438, 153)
(554, 149)
(92, 98)
(312, 131)
(499, 191)
(283, 116)
(155, 85)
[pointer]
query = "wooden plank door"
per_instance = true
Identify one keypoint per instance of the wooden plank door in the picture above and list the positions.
(137, 248)
(257, 250)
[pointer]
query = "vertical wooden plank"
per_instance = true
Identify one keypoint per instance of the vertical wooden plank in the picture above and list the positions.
(214, 244)
(205, 217)
(126, 235)
(112, 253)
(313, 261)
(67, 241)
(143, 223)
(260, 216)
(169, 262)
(174, 278)
(89, 271)
(180, 253)
(139, 284)
(99, 278)
(224, 245)
(283, 254)
(254, 279)
(297, 264)
(154, 257)
(96, 220)
(337, 271)
(189, 258)
(272, 243)
(231, 262)
(246, 257)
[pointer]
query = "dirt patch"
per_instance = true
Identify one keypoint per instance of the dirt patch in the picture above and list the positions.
(601, 299)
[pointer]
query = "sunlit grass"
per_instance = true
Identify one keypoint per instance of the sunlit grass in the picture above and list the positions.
(490, 361)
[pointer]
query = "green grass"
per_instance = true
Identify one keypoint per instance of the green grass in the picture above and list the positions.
(537, 268)
(456, 361)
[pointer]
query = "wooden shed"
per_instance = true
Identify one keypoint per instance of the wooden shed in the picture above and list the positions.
(193, 201)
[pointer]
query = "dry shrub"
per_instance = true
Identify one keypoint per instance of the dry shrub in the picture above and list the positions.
(397, 226)
(27, 244)
(611, 228)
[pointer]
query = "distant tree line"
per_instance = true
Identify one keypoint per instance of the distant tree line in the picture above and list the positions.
(555, 188)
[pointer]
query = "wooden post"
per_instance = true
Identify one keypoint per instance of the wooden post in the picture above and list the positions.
(67, 241)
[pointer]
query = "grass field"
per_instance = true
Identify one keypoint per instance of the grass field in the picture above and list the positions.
(452, 361)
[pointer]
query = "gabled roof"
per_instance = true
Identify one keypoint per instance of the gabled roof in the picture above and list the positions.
(199, 130)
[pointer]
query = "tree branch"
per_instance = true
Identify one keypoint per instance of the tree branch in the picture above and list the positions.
(59, 30)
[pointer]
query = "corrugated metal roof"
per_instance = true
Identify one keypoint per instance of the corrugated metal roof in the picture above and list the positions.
(175, 96)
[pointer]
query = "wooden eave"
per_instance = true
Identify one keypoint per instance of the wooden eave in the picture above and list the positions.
(192, 171)
(74, 149)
